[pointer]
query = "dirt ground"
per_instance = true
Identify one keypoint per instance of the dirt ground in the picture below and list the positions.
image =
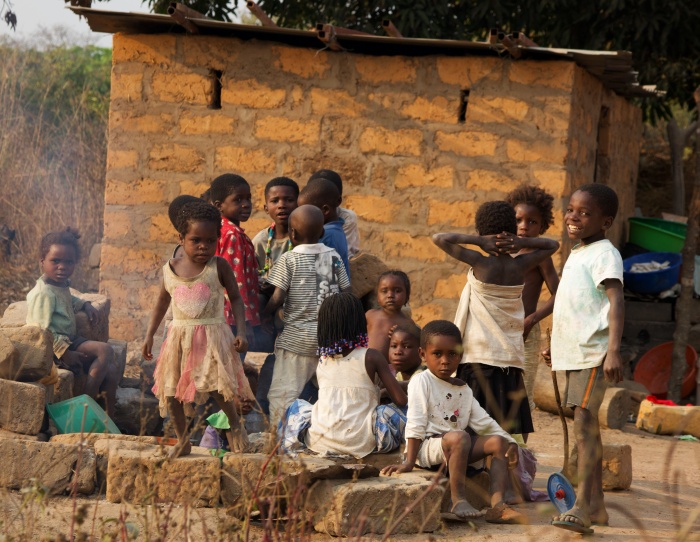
(652, 509)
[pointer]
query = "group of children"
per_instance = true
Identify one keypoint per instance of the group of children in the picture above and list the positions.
(454, 392)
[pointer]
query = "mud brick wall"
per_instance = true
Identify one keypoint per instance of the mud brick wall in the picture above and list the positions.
(390, 125)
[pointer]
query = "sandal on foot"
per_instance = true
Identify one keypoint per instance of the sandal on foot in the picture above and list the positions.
(464, 518)
(503, 514)
(574, 526)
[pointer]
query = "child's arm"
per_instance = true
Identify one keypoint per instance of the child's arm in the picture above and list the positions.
(416, 425)
(412, 447)
(157, 315)
(228, 281)
(612, 367)
(40, 309)
(450, 243)
(375, 363)
(542, 247)
(276, 301)
(551, 279)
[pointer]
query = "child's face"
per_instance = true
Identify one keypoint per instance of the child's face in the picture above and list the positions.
(528, 219)
(200, 241)
(391, 293)
(281, 201)
(238, 204)
(59, 263)
(585, 220)
(442, 355)
(403, 352)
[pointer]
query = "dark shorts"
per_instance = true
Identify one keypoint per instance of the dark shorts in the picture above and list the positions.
(75, 342)
(501, 392)
(585, 389)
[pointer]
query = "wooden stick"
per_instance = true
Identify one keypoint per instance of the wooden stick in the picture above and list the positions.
(390, 29)
(260, 14)
(560, 408)
(509, 44)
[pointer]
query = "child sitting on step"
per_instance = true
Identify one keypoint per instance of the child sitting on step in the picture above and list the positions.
(347, 419)
(446, 425)
(52, 306)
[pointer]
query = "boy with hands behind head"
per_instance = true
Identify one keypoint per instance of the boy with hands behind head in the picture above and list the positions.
(440, 409)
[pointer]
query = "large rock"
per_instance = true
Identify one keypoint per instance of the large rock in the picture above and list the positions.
(617, 466)
(9, 357)
(137, 413)
(52, 465)
(143, 477)
(336, 505)
(669, 420)
(105, 446)
(365, 269)
(63, 389)
(90, 439)
(120, 350)
(16, 316)
(22, 406)
(19, 436)
(34, 358)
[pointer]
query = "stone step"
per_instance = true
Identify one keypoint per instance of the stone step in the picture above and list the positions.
(22, 406)
(669, 420)
(148, 476)
(34, 354)
(63, 389)
(341, 508)
(52, 465)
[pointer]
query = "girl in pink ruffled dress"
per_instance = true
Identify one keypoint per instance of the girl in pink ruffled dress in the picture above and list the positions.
(199, 357)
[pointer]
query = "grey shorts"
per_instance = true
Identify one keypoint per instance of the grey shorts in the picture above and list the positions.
(585, 389)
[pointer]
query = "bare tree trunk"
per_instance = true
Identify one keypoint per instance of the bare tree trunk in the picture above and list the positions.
(684, 304)
(678, 139)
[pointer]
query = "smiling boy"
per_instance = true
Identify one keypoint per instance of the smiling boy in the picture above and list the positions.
(587, 331)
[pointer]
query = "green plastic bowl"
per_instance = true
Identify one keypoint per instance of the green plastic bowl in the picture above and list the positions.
(68, 416)
(657, 235)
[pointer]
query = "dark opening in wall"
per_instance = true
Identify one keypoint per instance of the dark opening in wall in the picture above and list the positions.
(463, 101)
(214, 98)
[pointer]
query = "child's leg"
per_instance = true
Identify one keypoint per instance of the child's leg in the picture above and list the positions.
(104, 358)
(290, 374)
(456, 446)
(236, 436)
(177, 413)
(110, 384)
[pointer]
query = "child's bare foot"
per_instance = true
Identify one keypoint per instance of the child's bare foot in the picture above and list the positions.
(181, 449)
(463, 510)
(238, 440)
(502, 514)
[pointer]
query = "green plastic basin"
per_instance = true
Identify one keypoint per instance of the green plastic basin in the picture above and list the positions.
(68, 416)
(657, 235)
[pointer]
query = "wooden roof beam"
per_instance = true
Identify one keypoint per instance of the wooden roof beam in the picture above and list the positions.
(260, 14)
(390, 29)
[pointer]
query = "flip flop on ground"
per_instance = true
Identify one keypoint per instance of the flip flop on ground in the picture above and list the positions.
(573, 520)
(503, 514)
(462, 511)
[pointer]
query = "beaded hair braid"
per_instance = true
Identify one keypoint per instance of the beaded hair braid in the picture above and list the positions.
(341, 325)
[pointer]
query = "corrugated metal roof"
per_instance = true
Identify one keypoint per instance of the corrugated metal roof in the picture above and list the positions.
(613, 68)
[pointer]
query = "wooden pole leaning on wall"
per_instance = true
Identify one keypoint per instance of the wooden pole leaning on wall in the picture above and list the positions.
(260, 14)
(509, 44)
(493, 36)
(390, 29)
(328, 34)
(521, 39)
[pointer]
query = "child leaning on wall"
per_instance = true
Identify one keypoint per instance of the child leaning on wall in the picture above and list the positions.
(490, 313)
(587, 332)
(52, 306)
(533, 215)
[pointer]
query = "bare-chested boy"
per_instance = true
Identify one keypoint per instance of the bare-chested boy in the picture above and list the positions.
(393, 292)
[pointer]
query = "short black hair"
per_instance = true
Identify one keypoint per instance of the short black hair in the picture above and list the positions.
(197, 211)
(321, 192)
(538, 198)
(68, 237)
(282, 181)
(604, 196)
(176, 205)
(410, 329)
(329, 175)
(206, 195)
(494, 217)
(400, 274)
(439, 327)
(224, 185)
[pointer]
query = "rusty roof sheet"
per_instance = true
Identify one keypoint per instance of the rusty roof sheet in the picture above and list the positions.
(613, 68)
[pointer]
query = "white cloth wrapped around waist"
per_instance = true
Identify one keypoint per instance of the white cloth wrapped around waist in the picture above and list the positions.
(491, 319)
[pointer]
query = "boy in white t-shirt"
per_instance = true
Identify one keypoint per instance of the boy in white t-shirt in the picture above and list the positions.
(587, 331)
(440, 410)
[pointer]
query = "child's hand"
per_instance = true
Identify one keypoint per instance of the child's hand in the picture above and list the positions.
(146, 349)
(613, 367)
(507, 243)
(91, 313)
(391, 469)
(488, 244)
(547, 355)
(241, 344)
(512, 455)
